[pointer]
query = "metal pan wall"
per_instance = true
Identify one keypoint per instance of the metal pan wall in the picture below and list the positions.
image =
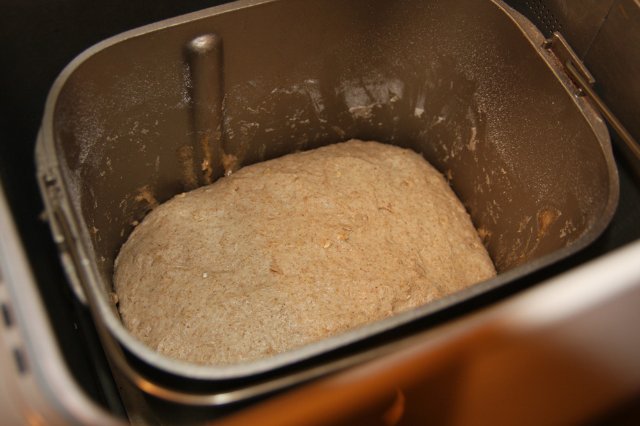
(163, 109)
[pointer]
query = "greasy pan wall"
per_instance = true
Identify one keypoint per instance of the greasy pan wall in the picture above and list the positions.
(152, 113)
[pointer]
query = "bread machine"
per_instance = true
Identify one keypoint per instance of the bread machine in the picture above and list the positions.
(119, 116)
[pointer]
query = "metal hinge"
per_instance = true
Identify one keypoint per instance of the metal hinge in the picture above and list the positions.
(583, 79)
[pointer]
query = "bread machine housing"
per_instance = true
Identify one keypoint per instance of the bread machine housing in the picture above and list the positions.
(166, 108)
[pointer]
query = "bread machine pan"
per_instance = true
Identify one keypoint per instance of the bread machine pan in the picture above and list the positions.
(162, 109)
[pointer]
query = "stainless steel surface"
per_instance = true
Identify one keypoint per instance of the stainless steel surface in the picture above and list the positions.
(584, 81)
(531, 162)
(606, 36)
(579, 20)
(35, 385)
(614, 60)
(565, 54)
(631, 144)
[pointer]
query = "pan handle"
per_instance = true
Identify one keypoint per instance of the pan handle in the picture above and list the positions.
(617, 126)
(584, 80)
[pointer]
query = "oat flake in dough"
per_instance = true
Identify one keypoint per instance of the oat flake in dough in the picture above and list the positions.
(289, 251)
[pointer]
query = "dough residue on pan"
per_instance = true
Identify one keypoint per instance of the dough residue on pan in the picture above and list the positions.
(289, 251)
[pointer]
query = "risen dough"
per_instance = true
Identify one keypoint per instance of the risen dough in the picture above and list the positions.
(288, 251)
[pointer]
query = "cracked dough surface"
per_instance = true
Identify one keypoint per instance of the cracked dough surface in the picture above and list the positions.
(289, 251)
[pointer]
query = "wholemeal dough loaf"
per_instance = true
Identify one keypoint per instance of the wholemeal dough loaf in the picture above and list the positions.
(292, 250)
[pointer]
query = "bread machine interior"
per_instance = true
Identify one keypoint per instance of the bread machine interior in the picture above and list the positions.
(166, 109)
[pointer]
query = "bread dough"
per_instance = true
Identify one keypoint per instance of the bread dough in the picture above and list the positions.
(289, 251)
